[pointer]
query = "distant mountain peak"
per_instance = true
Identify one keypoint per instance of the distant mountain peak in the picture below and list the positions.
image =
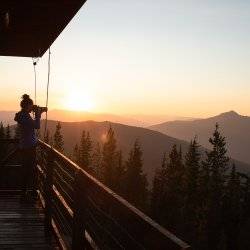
(230, 114)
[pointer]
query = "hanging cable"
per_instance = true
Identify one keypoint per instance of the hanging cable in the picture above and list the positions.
(35, 61)
(47, 95)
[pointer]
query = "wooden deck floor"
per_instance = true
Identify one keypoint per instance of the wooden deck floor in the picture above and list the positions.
(22, 225)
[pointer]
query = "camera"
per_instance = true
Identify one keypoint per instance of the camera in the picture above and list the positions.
(38, 109)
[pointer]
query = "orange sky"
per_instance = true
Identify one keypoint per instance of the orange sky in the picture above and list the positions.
(173, 58)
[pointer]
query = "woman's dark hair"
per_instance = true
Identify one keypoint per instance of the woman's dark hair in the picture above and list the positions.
(26, 101)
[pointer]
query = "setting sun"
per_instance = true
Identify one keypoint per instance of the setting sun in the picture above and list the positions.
(78, 101)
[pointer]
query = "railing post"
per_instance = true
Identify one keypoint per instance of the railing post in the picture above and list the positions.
(48, 190)
(78, 239)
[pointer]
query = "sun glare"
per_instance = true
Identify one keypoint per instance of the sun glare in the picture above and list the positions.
(78, 102)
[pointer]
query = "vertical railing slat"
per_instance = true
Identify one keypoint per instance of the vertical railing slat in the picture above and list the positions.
(78, 240)
(48, 190)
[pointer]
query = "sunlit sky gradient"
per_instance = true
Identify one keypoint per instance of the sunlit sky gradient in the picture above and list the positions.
(188, 58)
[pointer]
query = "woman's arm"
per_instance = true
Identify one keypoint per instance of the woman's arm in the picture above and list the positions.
(28, 122)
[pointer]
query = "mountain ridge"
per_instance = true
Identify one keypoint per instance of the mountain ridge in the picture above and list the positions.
(235, 127)
(77, 116)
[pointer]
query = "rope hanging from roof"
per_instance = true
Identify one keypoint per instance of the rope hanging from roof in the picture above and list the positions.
(35, 61)
(47, 95)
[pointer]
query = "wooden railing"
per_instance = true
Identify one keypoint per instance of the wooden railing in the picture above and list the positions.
(85, 214)
(10, 165)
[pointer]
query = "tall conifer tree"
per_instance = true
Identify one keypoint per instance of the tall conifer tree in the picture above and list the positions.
(2, 132)
(232, 210)
(191, 190)
(214, 170)
(173, 198)
(47, 138)
(120, 173)
(168, 191)
(85, 151)
(17, 132)
(7, 132)
(97, 161)
(58, 142)
(109, 160)
(159, 185)
(135, 179)
(2, 136)
(76, 154)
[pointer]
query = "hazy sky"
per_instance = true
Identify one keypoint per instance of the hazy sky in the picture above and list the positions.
(188, 58)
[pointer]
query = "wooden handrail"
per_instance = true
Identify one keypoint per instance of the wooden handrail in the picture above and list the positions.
(108, 219)
(84, 213)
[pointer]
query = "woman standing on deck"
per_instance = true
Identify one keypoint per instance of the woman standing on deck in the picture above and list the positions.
(27, 143)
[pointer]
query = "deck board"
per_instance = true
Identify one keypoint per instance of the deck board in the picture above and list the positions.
(22, 225)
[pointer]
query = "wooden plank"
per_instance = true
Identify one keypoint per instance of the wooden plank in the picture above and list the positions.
(22, 224)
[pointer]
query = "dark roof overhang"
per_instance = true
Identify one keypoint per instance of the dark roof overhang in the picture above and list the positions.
(29, 27)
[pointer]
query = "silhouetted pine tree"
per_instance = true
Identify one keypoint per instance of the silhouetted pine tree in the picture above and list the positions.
(47, 138)
(157, 196)
(58, 138)
(109, 160)
(135, 181)
(2, 132)
(97, 162)
(85, 151)
(246, 198)
(173, 198)
(245, 225)
(214, 170)
(17, 132)
(168, 192)
(232, 210)
(76, 154)
(216, 209)
(2, 136)
(191, 191)
(7, 132)
(120, 174)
